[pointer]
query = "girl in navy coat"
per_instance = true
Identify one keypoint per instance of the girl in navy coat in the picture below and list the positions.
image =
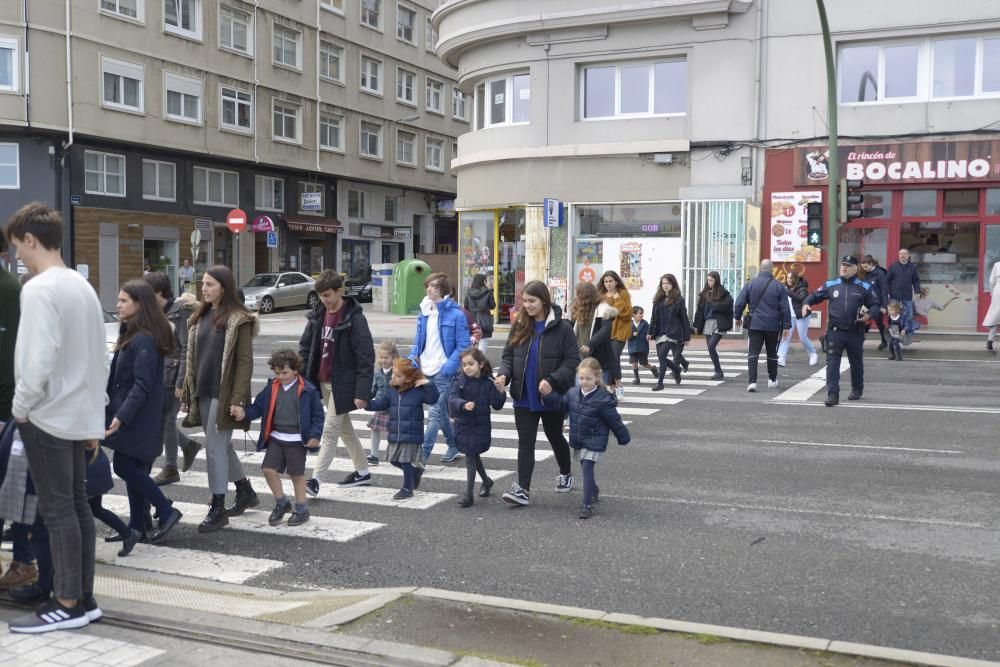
(593, 416)
(404, 398)
(472, 395)
(135, 403)
(98, 482)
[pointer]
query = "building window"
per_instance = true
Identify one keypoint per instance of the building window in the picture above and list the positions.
(182, 17)
(130, 9)
(235, 30)
(183, 101)
(159, 180)
(503, 101)
(8, 64)
(406, 83)
(458, 104)
(286, 47)
(391, 208)
(435, 91)
(874, 72)
(406, 24)
(430, 35)
(331, 61)
(122, 84)
(435, 154)
(269, 194)
(954, 67)
(237, 109)
(371, 75)
(335, 6)
(331, 132)
(371, 140)
(309, 204)
(286, 121)
(214, 187)
(634, 89)
(371, 13)
(357, 204)
(406, 143)
(919, 203)
(104, 174)
(10, 167)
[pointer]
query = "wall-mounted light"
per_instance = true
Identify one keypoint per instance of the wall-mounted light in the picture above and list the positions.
(746, 169)
(133, 225)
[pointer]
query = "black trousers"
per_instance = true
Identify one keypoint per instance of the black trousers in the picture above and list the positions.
(838, 342)
(768, 340)
(526, 423)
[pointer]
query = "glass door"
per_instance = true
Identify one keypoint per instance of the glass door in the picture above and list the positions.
(989, 241)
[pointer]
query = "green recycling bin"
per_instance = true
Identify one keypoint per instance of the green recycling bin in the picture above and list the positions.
(408, 286)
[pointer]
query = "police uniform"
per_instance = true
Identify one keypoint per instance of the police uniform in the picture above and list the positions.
(846, 297)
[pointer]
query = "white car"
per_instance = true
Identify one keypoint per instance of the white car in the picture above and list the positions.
(267, 291)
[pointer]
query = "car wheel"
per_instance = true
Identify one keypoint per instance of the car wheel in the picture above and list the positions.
(312, 301)
(266, 305)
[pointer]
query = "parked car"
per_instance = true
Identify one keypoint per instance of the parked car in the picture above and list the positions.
(359, 288)
(112, 327)
(267, 291)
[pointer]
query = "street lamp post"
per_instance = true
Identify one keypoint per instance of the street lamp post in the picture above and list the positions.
(833, 161)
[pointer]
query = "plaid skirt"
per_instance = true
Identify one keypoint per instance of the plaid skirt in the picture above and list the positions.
(405, 452)
(379, 422)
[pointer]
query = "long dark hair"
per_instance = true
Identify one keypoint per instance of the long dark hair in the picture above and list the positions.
(478, 281)
(229, 303)
(715, 292)
(672, 295)
(149, 319)
(795, 279)
(585, 302)
(477, 354)
(619, 283)
(524, 323)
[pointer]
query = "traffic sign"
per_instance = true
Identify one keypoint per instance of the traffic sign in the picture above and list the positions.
(272, 239)
(815, 238)
(236, 220)
(262, 223)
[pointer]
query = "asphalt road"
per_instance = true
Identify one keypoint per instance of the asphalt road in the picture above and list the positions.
(873, 522)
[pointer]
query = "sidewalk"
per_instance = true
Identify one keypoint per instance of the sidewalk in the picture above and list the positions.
(157, 619)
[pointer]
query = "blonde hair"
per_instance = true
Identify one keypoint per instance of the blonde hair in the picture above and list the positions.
(894, 306)
(591, 364)
(389, 348)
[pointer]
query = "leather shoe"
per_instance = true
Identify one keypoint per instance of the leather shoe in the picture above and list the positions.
(129, 543)
(165, 526)
(831, 401)
(854, 395)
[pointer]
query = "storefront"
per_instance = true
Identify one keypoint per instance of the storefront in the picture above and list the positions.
(939, 200)
(493, 243)
(308, 244)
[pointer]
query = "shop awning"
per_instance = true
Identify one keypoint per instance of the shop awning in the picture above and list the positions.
(305, 223)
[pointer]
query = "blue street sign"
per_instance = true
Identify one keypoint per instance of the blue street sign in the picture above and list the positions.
(272, 239)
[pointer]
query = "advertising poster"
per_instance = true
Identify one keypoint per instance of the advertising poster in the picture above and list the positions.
(558, 290)
(589, 261)
(641, 263)
(788, 227)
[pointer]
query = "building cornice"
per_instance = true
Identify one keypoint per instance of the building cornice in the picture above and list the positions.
(587, 13)
(602, 150)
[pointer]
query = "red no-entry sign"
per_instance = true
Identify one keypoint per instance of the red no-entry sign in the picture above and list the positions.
(236, 220)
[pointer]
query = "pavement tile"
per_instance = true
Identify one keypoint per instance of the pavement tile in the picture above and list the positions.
(415, 654)
(73, 657)
(41, 655)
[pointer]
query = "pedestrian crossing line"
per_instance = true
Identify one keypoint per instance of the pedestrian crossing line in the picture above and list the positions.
(226, 568)
(644, 393)
(327, 529)
(362, 495)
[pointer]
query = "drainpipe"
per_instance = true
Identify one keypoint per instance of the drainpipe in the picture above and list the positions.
(69, 73)
(64, 182)
(757, 97)
(253, 109)
(27, 65)
(319, 97)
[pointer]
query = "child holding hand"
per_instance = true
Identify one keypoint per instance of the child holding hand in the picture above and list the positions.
(385, 355)
(473, 393)
(293, 421)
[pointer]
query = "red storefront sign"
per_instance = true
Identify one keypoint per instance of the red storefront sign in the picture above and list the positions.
(903, 164)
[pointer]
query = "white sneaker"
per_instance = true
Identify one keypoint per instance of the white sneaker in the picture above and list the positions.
(771, 384)
(752, 387)
(781, 362)
(813, 359)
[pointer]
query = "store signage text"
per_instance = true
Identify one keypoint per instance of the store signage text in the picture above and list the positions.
(941, 170)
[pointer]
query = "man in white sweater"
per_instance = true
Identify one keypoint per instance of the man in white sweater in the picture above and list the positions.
(59, 398)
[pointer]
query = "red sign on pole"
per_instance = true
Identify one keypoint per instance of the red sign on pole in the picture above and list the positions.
(236, 220)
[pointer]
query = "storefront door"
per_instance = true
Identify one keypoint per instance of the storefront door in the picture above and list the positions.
(510, 257)
(989, 242)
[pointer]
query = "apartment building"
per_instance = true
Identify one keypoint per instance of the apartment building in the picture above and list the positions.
(330, 121)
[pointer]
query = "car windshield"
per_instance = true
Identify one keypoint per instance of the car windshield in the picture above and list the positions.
(263, 280)
(109, 318)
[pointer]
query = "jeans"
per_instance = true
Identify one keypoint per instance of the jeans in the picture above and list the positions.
(168, 427)
(20, 536)
(526, 423)
(768, 340)
(802, 328)
(337, 427)
(437, 417)
(223, 464)
(908, 323)
(141, 488)
(713, 353)
(107, 517)
(617, 347)
(58, 468)
(42, 548)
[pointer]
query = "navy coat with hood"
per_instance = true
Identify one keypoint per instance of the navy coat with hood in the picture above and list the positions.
(592, 418)
(353, 355)
(406, 411)
(473, 430)
(135, 398)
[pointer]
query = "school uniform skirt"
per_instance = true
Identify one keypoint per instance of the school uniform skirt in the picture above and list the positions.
(405, 452)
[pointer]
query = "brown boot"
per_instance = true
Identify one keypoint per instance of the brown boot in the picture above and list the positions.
(17, 575)
(168, 475)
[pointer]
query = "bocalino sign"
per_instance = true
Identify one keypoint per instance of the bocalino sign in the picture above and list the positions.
(900, 164)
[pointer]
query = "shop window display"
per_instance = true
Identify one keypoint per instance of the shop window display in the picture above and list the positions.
(947, 256)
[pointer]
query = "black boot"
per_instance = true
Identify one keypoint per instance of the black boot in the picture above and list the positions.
(246, 498)
(636, 380)
(189, 448)
(216, 518)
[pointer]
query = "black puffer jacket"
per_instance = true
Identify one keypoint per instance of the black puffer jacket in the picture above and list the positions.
(354, 355)
(473, 430)
(480, 303)
(798, 295)
(558, 356)
(670, 320)
(723, 313)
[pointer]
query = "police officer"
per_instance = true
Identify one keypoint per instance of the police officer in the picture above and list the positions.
(852, 304)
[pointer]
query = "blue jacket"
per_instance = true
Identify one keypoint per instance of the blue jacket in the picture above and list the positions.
(473, 430)
(768, 303)
(592, 418)
(380, 383)
(453, 327)
(135, 397)
(98, 475)
(310, 411)
(637, 343)
(406, 411)
(903, 281)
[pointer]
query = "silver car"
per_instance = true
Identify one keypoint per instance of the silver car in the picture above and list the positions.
(267, 291)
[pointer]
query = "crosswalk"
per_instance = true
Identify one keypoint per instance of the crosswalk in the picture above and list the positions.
(346, 515)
